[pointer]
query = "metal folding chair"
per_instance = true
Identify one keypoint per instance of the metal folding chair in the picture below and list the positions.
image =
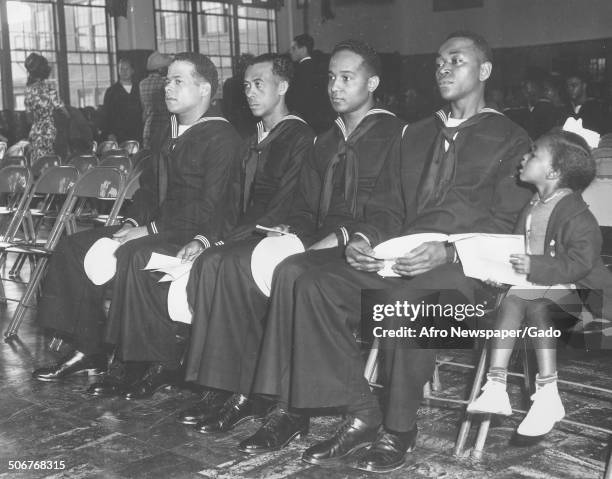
(130, 146)
(101, 183)
(13, 160)
(107, 145)
(120, 161)
(15, 185)
(43, 164)
(83, 162)
(3, 147)
(131, 186)
(53, 183)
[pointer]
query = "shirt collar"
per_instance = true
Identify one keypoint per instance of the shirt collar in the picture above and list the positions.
(262, 133)
(373, 111)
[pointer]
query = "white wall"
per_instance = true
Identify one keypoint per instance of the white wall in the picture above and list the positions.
(412, 27)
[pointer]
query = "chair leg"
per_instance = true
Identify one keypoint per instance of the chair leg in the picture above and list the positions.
(16, 269)
(3, 300)
(608, 471)
(466, 424)
(436, 384)
(481, 436)
(22, 307)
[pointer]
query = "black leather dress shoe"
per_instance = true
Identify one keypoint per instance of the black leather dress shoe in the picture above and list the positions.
(118, 377)
(237, 409)
(208, 407)
(278, 430)
(155, 378)
(74, 363)
(352, 435)
(388, 452)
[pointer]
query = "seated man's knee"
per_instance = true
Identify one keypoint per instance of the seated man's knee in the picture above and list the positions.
(291, 268)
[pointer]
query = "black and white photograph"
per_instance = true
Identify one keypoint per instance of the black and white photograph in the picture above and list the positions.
(266, 239)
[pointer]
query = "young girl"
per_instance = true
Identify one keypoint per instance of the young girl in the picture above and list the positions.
(563, 244)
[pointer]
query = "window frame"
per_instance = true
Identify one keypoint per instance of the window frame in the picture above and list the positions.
(59, 33)
(196, 16)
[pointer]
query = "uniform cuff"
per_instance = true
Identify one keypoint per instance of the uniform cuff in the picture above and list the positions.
(152, 228)
(203, 239)
(131, 221)
(343, 236)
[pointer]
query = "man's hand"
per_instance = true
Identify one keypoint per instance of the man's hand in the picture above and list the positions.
(129, 233)
(521, 263)
(421, 259)
(190, 251)
(330, 241)
(282, 229)
(360, 256)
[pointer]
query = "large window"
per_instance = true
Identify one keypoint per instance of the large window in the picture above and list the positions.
(88, 49)
(31, 29)
(172, 23)
(222, 30)
(76, 37)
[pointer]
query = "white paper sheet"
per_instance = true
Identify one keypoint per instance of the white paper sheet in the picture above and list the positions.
(160, 261)
(487, 257)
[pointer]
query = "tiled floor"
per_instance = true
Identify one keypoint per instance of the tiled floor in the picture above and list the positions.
(113, 438)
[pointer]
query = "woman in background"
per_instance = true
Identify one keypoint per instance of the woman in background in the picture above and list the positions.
(122, 112)
(41, 100)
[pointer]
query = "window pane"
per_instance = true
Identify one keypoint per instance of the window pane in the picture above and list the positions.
(89, 43)
(216, 35)
(173, 32)
(89, 51)
(172, 5)
(31, 29)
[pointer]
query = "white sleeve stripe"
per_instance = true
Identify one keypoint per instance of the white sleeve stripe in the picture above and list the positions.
(204, 240)
(344, 234)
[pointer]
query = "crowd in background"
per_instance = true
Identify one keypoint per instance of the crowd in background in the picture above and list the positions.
(136, 110)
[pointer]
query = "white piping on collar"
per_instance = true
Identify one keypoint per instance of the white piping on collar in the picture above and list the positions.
(261, 130)
(174, 124)
(373, 111)
(444, 117)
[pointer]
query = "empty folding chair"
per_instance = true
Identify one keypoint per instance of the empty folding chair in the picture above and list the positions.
(83, 162)
(100, 183)
(122, 162)
(43, 164)
(55, 181)
(107, 145)
(18, 149)
(132, 185)
(15, 185)
(130, 146)
(113, 152)
(13, 160)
